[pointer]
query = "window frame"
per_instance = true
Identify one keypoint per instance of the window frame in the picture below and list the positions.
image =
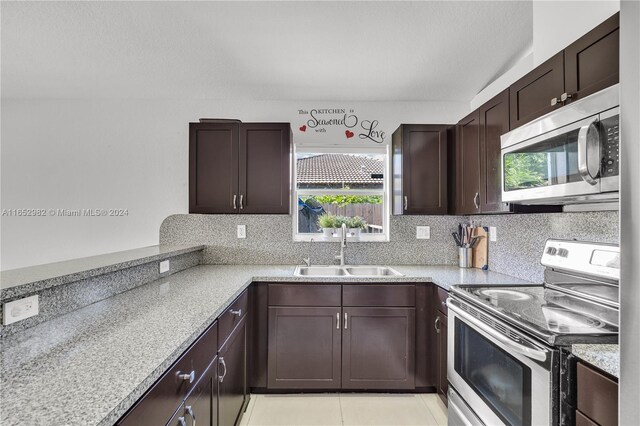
(336, 149)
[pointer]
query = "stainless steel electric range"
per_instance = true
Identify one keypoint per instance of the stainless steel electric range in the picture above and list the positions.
(508, 347)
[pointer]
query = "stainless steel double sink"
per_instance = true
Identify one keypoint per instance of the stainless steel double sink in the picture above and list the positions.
(346, 271)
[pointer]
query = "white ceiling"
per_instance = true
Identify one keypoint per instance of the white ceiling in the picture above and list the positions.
(351, 51)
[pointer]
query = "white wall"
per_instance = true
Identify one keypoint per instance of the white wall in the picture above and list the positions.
(556, 24)
(630, 212)
(129, 154)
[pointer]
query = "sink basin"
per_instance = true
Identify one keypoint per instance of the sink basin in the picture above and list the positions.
(372, 271)
(320, 271)
(346, 271)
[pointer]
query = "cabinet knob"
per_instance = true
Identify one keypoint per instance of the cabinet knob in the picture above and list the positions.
(554, 101)
(190, 377)
(238, 312)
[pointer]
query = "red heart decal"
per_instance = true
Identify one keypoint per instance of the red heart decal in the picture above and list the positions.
(303, 128)
(348, 134)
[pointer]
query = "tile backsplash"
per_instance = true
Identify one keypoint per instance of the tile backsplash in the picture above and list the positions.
(521, 238)
(269, 241)
(517, 251)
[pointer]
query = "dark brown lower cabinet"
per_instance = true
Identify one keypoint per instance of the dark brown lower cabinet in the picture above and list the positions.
(597, 402)
(232, 376)
(378, 348)
(304, 347)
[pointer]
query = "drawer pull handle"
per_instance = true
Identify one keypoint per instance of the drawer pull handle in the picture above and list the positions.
(346, 319)
(338, 321)
(436, 325)
(235, 204)
(238, 312)
(224, 365)
(190, 377)
(189, 411)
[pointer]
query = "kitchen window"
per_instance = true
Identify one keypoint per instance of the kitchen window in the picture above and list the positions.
(349, 185)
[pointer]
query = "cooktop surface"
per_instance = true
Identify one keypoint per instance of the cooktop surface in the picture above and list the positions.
(554, 316)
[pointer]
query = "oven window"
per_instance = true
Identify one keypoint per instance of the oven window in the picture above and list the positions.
(551, 162)
(503, 382)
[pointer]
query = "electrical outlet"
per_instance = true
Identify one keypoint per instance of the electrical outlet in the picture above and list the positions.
(164, 266)
(493, 233)
(423, 232)
(242, 231)
(20, 309)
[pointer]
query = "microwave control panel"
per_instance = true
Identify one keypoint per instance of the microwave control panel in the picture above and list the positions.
(611, 146)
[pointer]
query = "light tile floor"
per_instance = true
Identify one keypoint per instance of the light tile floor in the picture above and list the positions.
(345, 409)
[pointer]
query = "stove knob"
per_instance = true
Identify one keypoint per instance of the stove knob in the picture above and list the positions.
(563, 252)
(551, 251)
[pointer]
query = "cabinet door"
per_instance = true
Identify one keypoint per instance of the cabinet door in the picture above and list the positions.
(468, 165)
(530, 97)
(265, 164)
(443, 383)
(232, 376)
(420, 157)
(592, 62)
(378, 348)
(304, 348)
(201, 406)
(494, 122)
(213, 167)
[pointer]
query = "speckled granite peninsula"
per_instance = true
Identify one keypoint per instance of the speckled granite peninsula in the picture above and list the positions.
(605, 357)
(91, 365)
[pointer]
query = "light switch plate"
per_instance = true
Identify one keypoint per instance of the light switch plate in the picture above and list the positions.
(423, 232)
(493, 233)
(242, 231)
(20, 309)
(164, 266)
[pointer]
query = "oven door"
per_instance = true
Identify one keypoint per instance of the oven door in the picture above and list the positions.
(554, 166)
(506, 378)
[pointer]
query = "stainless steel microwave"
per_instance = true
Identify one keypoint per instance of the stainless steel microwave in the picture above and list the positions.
(568, 156)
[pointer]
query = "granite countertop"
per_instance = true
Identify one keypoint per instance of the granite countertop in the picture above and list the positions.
(91, 365)
(605, 357)
(21, 281)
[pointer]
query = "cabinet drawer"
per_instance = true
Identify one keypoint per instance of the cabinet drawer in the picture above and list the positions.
(441, 296)
(379, 295)
(161, 401)
(232, 316)
(597, 396)
(304, 295)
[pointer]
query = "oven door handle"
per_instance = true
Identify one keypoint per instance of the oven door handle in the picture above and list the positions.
(588, 146)
(537, 354)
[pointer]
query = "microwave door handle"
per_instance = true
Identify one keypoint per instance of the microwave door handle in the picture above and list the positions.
(537, 354)
(587, 137)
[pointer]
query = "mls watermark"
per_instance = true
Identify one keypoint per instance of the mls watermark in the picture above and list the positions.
(64, 212)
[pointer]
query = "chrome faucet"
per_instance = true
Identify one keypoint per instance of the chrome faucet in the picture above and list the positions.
(343, 244)
(307, 260)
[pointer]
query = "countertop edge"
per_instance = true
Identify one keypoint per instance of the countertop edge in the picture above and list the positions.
(39, 285)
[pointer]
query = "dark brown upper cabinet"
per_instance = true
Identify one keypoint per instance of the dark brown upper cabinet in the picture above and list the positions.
(531, 95)
(592, 62)
(420, 169)
(588, 65)
(239, 168)
(494, 122)
(468, 164)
